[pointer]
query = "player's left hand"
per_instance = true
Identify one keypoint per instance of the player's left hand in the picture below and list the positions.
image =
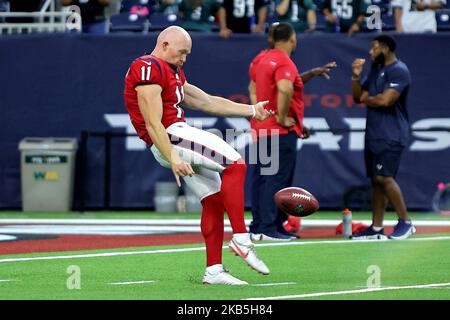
(262, 113)
(323, 71)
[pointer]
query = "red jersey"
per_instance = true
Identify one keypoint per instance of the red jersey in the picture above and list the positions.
(273, 66)
(151, 70)
(253, 65)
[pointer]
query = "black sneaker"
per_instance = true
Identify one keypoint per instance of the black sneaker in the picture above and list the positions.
(402, 230)
(369, 234)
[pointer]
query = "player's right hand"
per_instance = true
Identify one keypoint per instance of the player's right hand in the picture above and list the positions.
(357, 67)
(262, 113)
(180, 168)
(285, 122)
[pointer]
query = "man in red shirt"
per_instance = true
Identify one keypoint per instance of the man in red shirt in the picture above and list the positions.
(155, 85)
(275, 77)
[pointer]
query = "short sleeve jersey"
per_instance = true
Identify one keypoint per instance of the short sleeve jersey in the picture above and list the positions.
(151, 70)
(391, 123)
(254, 64)
(274, 66)
(348, 11)
(415, 21)
(198, 17)
(240, 13)
(90, 10)
(297, 13)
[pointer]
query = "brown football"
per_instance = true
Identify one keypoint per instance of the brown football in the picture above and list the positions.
(296, 202)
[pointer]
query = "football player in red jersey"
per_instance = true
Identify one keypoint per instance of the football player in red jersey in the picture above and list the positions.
(274, 76)
(155, 85)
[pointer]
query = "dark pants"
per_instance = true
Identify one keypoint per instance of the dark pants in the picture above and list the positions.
(266, 216)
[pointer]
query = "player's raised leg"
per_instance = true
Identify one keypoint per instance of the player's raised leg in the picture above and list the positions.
(233, 194)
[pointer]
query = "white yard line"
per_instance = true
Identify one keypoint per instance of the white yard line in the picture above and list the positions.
(273, 284)
(134, 282)
(196, 222)
(7, 280)
(335, 293)
(106, 254)
(294, 243)
(4, 237)
(97, 229)
(31, 227)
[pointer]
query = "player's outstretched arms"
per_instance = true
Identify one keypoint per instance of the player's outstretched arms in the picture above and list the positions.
(151, 107)
(319, 71)
(197, 99)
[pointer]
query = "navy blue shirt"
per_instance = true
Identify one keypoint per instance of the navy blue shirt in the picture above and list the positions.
(391, 123)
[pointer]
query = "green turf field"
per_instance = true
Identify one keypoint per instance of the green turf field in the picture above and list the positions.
(304, 266)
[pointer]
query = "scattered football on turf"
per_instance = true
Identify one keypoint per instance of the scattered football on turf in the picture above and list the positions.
(296, 202)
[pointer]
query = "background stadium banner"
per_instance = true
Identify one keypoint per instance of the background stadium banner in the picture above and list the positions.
(59, 85)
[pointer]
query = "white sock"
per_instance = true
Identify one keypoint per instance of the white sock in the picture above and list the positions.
(377, 229)
(215, 268)
(242, 237)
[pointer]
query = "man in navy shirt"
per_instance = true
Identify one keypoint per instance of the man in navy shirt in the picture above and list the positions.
(385, 92)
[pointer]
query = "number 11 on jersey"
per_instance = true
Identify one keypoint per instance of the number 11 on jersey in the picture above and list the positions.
(145, 75)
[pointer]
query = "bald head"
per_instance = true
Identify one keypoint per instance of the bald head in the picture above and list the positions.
(173, 45)
(173, 33)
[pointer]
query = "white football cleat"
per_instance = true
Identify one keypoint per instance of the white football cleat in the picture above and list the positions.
(242, 246)
(256, 236)
(218, 275)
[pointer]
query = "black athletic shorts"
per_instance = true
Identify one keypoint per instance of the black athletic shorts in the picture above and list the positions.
(382, 157)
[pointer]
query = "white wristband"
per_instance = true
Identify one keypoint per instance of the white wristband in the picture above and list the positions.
(254, 110)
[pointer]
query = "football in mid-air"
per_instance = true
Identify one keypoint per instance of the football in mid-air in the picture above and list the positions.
(296, 202)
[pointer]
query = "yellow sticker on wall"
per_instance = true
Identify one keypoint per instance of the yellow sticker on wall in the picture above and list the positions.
(51, 175)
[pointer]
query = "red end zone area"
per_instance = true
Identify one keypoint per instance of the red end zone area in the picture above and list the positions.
(30, 240)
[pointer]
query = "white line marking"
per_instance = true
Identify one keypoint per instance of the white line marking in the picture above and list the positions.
(294, 243)
(273, 284)
(7, 280)
(97, 229)
(172, 222)
(134, 282)
(138, 227)
(335, 293)
(196, 222)
(6, 237)
(106, 254)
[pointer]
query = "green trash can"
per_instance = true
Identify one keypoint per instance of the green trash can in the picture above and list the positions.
(47, 173)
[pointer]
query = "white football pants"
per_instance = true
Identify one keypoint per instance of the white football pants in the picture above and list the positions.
(207, 153)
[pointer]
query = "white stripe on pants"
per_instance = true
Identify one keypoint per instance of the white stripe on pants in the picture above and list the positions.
(202, 150)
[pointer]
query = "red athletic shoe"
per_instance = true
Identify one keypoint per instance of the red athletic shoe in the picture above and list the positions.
(292, 224)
